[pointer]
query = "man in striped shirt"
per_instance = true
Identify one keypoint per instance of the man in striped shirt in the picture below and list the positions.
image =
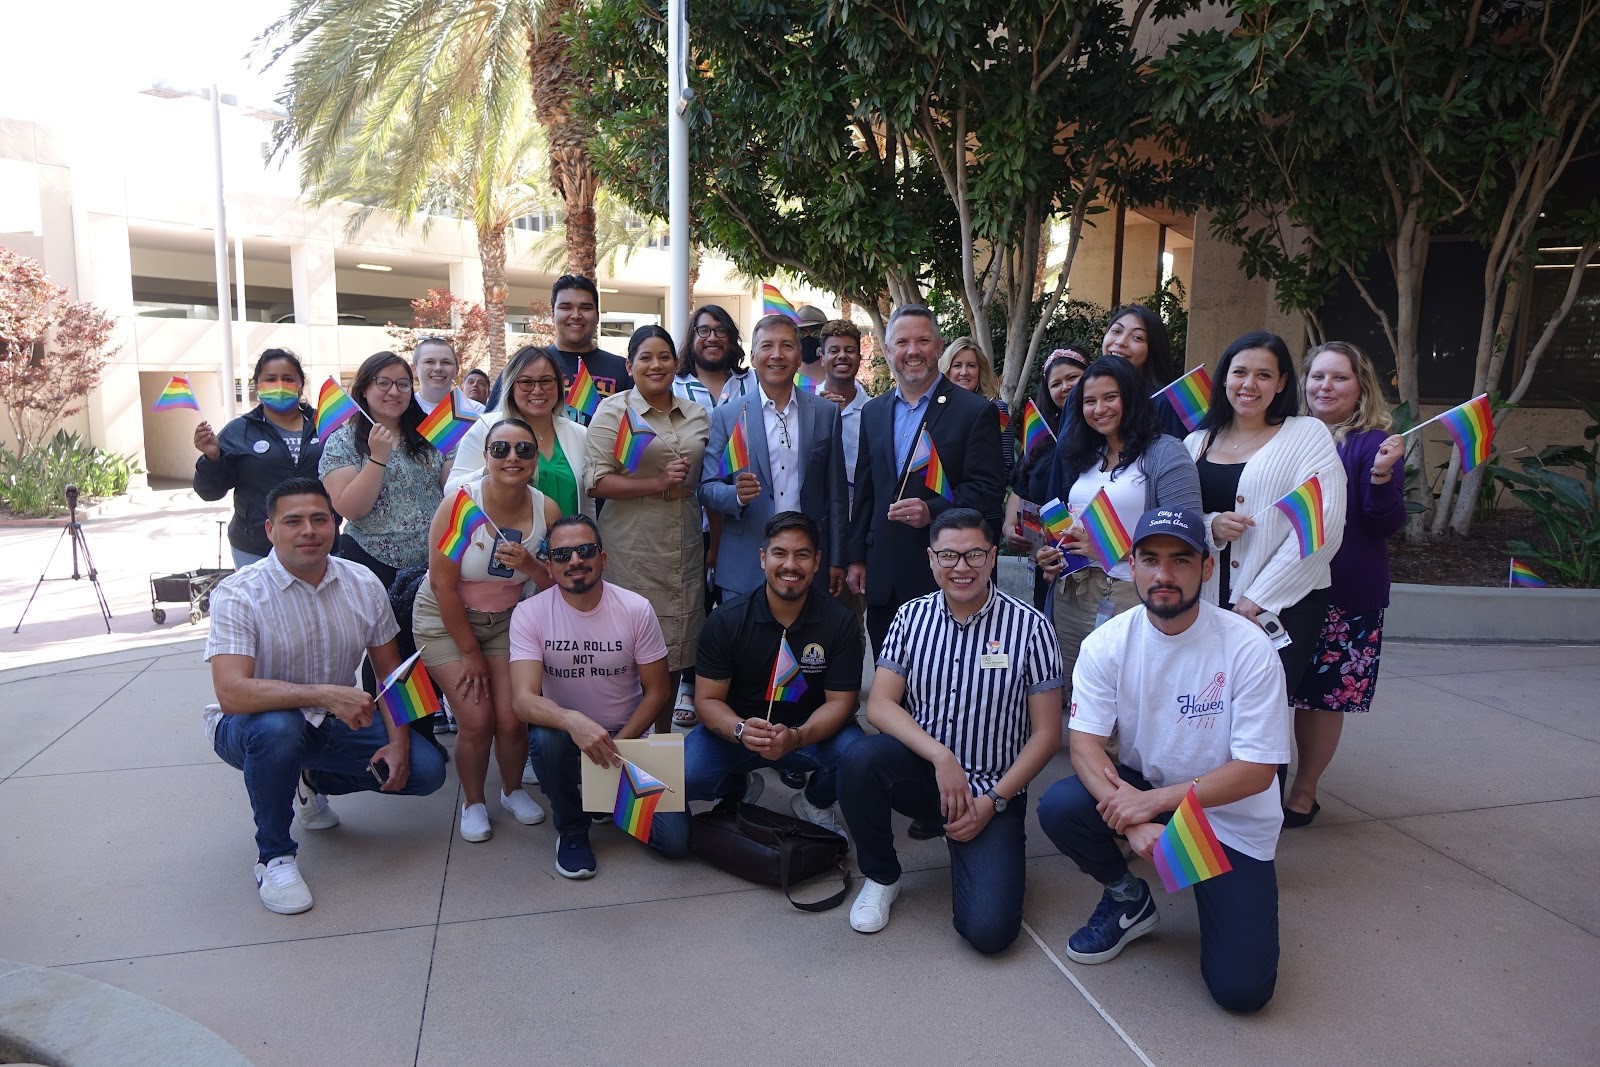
(968, 704)
(287, 637)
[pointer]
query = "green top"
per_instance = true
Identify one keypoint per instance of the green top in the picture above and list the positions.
(557, 481)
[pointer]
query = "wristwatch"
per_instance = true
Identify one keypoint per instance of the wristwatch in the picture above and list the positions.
(738, 732)
(1000, 802)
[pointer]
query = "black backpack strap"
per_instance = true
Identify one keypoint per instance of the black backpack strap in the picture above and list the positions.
(825, 904)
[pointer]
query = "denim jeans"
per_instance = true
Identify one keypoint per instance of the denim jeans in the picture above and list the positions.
(242, 559)
(273, 747)
(987, 874)
(560, 765)
(1238, 911)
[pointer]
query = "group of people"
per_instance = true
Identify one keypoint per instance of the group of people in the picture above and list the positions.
(730, 577)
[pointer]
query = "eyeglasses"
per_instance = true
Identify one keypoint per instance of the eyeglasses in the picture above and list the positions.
(783, 429)
(587, 550)
(710, 331)
(399, 385)
(975, 557)
(528, 385)
(502, 449)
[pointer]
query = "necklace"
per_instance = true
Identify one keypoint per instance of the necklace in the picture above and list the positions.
(1234, 448)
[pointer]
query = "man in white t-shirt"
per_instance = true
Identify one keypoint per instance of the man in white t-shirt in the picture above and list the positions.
(436, 366)
(588, 666)
(1197, 697)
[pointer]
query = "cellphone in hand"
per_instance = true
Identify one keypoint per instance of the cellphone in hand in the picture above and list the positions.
(1273, 627)
(496, 568)
(379, 770)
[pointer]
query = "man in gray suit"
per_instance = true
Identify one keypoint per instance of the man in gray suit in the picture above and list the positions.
(796, 464)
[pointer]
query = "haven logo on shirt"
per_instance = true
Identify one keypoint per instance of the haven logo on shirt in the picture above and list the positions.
(1201, 709)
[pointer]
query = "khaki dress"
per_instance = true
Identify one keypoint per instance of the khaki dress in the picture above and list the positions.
(653, 546)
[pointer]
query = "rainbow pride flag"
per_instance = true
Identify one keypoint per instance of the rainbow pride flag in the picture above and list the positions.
(808, 383)
(638, 793)
(408, 693)
(935, 478)
(279, 398)
(176, 396)
(583, 395)
(736, 453)
(1056, 518)
(465, 519)
(773, 302)
(1034, 429)
(1522, 577)
(445, 426)
(922, 453)
(633, 437)
(334, 408)
(1302, 506)
(1190, 396)
(787, 683)
(1005, 417)
(1108, 540)
(1188, 850)
(1472, 427)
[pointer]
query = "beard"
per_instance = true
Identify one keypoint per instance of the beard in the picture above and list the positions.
(581, 584)
(1173, 611)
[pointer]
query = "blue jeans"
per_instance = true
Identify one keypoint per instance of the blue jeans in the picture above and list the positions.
(560, 765)
(242, 559)
(273, 747)
(1238, 910)
(714, 768)
(987, 874)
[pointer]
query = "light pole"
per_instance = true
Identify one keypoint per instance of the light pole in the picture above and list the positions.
(678, 97)
(224, 311)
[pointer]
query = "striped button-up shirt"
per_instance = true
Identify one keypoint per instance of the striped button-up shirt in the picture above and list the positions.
(968, 684)
(296, 632)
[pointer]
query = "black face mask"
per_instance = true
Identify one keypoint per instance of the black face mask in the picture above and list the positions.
(810, 349)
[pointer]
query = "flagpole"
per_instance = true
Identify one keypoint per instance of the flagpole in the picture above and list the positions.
(782, 639)
(1511, 572)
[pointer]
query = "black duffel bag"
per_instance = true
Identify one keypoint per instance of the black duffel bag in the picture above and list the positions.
(761, 845)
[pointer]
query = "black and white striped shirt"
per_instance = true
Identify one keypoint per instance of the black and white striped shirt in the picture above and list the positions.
(968, 684)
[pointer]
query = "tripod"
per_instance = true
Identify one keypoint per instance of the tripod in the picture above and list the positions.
(72, 529)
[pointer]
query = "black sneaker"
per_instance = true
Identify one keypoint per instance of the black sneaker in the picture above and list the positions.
(574, 857)
(1112, 926)
(925, 829)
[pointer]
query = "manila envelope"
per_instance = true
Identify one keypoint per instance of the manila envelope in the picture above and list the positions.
(660, 754)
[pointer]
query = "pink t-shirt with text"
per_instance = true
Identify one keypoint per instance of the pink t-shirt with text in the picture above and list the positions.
(590, 658)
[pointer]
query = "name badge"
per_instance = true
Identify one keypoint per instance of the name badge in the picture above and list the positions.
(994, 661)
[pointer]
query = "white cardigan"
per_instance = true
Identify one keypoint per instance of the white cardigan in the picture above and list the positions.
(469, 454)
(1266, 565)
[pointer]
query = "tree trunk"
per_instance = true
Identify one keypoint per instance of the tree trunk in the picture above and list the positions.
(492, 254)
(571, 170)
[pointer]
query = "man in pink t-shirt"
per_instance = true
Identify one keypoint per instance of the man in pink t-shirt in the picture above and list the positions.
(588, 665)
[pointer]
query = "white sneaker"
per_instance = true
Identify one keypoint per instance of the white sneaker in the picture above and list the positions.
(529, 775)
(313, 809)
(827, 818)
(475, 823)
(282, 889)
(754, 784)
(870, 912)
(522, 807)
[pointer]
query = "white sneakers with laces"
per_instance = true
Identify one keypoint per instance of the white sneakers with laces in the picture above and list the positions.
(870, 912)
(827, 818)
(282, 889)
(312, 807)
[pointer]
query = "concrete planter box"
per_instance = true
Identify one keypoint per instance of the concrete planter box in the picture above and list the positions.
(1471, 613)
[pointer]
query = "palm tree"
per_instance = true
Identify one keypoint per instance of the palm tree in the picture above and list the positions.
(365, 72)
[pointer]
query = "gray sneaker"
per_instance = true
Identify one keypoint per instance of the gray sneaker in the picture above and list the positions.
(312, 808)
(827, 818)
(282, 889)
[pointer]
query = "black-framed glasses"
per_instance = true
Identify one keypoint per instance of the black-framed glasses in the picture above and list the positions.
(587, 550)
(502, 449)
(385, 385)
(710, 331)
(949, 557)
(528, 385)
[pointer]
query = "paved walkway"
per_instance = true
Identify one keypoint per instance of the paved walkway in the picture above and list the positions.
(1442, 910)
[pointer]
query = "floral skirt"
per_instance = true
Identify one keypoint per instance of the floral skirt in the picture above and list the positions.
(1344, 670)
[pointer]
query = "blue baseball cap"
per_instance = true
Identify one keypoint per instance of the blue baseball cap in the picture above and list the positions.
(1186, 525)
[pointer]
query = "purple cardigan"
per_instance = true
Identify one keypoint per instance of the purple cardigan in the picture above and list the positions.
(1373, 513)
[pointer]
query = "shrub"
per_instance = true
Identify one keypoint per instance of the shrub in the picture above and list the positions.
(1567, 508)
(35, 482)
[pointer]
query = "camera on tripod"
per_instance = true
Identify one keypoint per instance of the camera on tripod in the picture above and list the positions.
(72, 500)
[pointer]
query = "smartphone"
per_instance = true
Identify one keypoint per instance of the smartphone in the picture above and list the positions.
(496, 568)
(379, 769)
(1273, 627)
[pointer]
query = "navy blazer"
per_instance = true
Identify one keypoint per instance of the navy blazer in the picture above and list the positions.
(965, 428)
(824, 491)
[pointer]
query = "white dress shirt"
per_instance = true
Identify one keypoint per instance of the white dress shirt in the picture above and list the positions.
(783, 451)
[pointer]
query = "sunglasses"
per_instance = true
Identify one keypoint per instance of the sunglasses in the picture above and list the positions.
(502, 449)
(588, 550)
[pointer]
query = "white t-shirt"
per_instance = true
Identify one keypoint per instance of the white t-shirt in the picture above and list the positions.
(465, 405)
(1188, 704)
(1127, 495)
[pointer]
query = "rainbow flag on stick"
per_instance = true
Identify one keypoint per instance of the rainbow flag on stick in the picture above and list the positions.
(1108, 540)
(408, 693)
(787, 683)
(936, 479)
(638, 793)
(334, 408)
(278, 398)
(445, 426)
(1302, 506)
(1188, 851)
(1034, 429)
(1471, 426)
(736, 453)
(176, 396)
(1522, 577)
(1189, 396)
(773, 302)
(583, 395)
(633, 437)
(465, 519)
(1056, 518)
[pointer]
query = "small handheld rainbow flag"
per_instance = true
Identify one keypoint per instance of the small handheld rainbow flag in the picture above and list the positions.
(176, 395)
(787, 682)
(1056, 518)
(808, 383)
(773, 302)
(1472, 426)
(935, 478)
(465, 519)
(445, 426)
(1034, 429)
(1522, 577)
(1188, 850)
(408, 693)
(1190, 396)
(583, 396)
(922, 453)
(633, 437)
(736, 453)
(638, 793)
(1302, 506)
(1005, 417)
(334, 408)
(279, 398)
(1108, 540)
